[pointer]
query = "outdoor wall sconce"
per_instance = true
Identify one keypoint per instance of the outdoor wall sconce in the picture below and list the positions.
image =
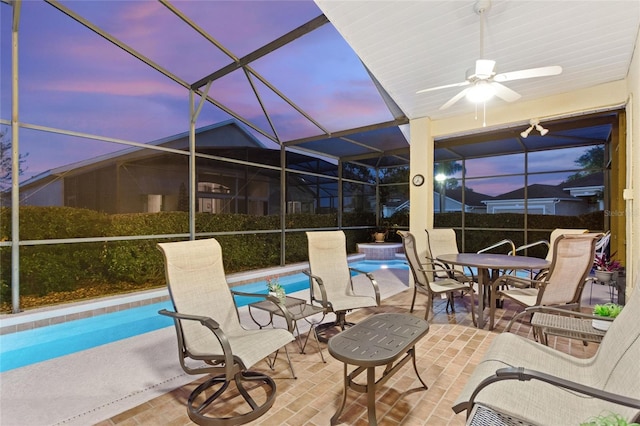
(534, 122)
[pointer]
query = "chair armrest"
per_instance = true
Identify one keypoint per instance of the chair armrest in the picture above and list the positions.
(276, 301)
(523, 374)
(206, 321)
(535, 243)
(326, 305)
(373, 282)
(456, 274)
(212, 325)
(501, 243)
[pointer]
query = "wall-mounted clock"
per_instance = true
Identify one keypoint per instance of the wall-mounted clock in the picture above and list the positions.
(418, 180)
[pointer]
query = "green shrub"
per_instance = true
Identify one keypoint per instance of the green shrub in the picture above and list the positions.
(86, 268)
(609, 419)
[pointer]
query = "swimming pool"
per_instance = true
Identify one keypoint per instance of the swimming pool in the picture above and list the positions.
(40, 344)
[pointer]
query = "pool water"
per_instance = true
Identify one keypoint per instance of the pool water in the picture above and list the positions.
(44, 343)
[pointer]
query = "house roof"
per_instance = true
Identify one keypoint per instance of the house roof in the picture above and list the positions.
(592, 179)
(534, 191)
(236, 136)
(471, 198)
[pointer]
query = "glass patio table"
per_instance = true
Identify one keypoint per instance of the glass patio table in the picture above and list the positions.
(485, 262)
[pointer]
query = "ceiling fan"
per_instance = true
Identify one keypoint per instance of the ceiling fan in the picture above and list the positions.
(483, 81)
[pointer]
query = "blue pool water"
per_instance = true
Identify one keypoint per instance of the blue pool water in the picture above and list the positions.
(40, 344)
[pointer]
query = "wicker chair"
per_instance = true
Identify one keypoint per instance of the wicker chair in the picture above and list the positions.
(330, 280)
(421, 270)
(209, 330)
(521, 379)
(562, 286)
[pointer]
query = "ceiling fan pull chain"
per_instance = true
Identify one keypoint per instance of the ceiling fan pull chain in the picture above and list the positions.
(484, 114)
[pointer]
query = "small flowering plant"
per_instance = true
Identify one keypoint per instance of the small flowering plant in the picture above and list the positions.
(274, 286)
(603, 262)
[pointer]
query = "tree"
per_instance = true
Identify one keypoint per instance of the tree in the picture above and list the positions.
(6, 165)
(448, 168)
(591, 161)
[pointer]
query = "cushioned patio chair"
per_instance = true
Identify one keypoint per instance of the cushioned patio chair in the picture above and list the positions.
(211, 339)
(521, 379)
(420, 271)
(561, 287)
(330, 279)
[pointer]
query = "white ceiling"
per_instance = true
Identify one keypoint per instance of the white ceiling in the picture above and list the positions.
(413, 45)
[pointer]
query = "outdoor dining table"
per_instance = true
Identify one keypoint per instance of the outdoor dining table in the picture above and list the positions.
(484, 262)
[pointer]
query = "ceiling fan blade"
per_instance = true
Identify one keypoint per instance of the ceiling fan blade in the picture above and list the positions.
(484, 68)
(455, 99)
(464, 83)
(530, 73)
(504, 93)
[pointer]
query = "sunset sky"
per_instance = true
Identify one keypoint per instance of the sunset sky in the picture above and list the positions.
(73, 79)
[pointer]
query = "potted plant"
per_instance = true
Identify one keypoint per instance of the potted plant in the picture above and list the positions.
(380, 234)
(610, 419)
(275, 288)
(606, 267)
(608, 310)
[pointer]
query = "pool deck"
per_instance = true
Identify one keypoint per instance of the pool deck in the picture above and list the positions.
(139, 381)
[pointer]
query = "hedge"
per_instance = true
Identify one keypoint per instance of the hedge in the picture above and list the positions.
(137, 264)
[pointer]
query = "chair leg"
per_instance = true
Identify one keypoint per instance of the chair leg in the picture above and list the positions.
(198, 409)
(428, 308)
(340, 322)
(450, 302)
(272, 362)
(413, 300)
(473, 311)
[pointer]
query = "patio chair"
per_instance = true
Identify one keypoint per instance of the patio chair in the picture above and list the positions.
(561, 287)
(534, 384)
(443, 241)
(420, 271)
(330, 280)
(550, 245)
(209, 330)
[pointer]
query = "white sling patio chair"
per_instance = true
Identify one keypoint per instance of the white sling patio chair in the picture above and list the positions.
(550, 245)
(529, 383)
(209, 330)
(564, 283)
(420, 271)
(330, 278)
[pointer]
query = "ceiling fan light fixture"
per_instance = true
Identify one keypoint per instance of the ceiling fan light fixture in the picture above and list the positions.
(480, 92)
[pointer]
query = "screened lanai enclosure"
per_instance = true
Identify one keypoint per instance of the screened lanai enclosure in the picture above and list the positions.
(125, 124)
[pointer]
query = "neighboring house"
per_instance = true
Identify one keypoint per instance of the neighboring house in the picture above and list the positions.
(589, 188)
(473, 202)
(580, 196)
(143, 180)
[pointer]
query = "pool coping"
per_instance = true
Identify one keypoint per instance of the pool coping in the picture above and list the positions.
(42, 317)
